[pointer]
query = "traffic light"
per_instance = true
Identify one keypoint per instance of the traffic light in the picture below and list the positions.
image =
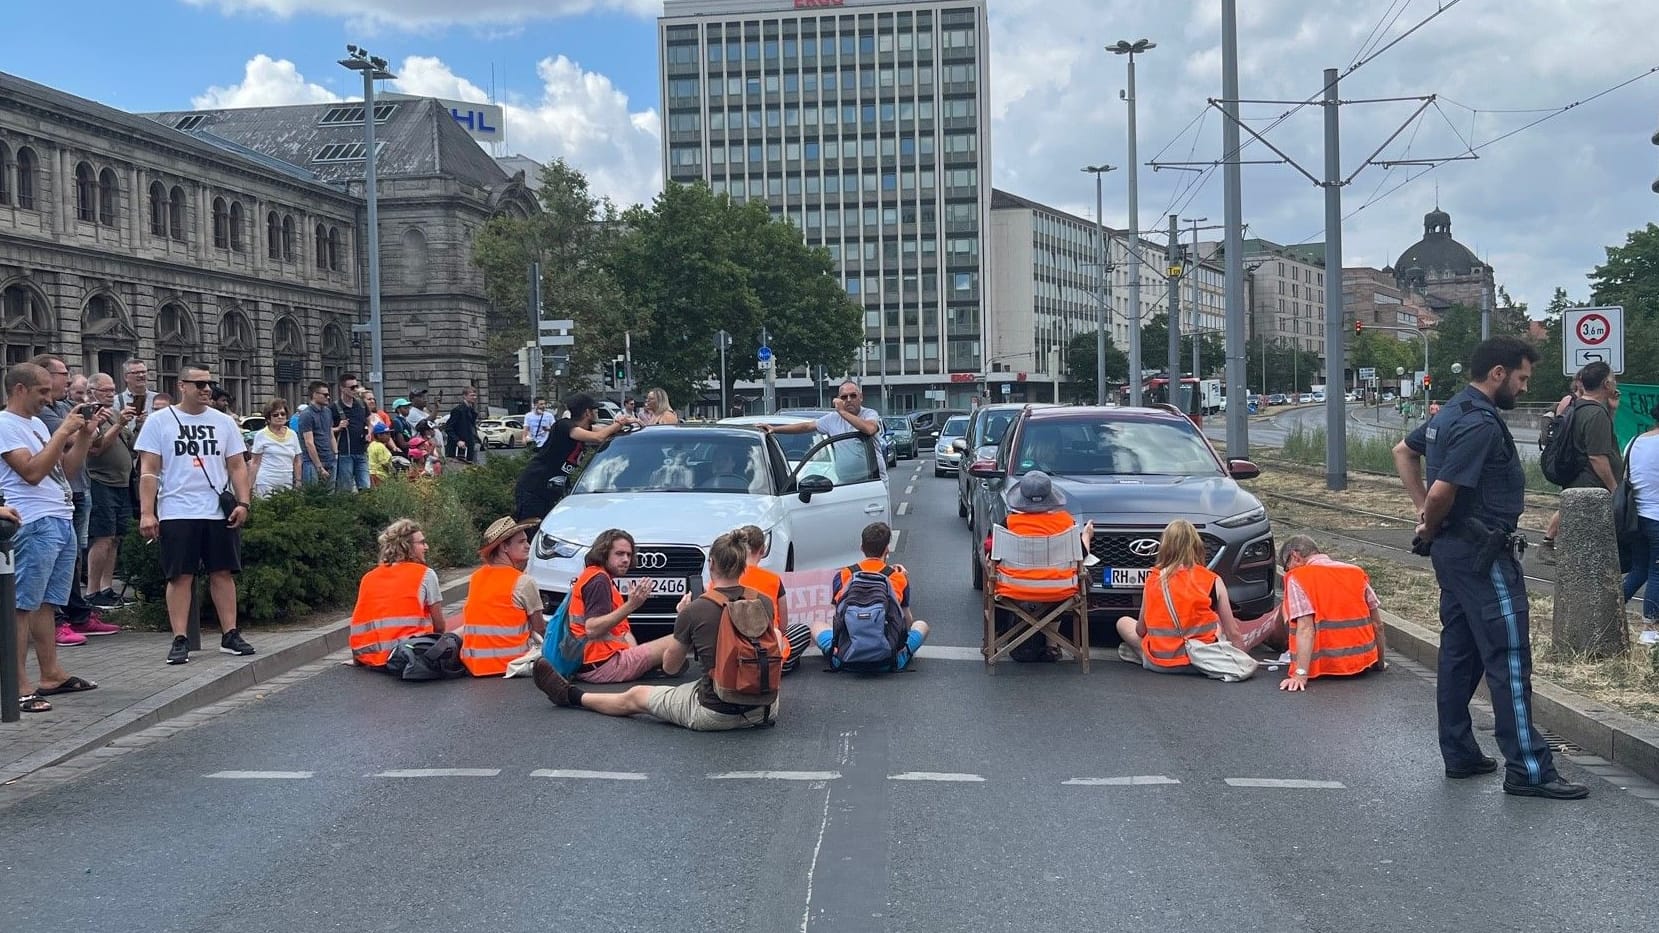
(620, 370)
(1426, 381)
(524, 365)
(1359, 328)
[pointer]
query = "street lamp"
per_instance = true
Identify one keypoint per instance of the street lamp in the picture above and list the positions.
(1102, 256)
(1131, 49)
(373, 68)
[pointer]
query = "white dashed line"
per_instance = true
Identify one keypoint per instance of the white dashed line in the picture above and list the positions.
(262, 775)
(589, 775)
(439, 772)
(904, 508)
(943, 777)
(908, 490)
(776, 776)
(1136, 780)
(1286, 783)
(896, 533)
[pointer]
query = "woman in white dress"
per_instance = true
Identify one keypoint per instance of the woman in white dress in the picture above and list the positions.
(276, 452)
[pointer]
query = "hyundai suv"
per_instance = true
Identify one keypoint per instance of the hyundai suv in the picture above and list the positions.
(1132, 471)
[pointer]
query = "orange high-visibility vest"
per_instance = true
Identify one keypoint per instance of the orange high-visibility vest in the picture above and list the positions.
(1038, 584)
(1344, 640)
(600, 651)
(389, 609)
(496, 630)
(770, 585)
(1191, 589)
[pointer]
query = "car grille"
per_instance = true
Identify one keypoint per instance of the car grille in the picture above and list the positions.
(1114, 549)
(652, 560)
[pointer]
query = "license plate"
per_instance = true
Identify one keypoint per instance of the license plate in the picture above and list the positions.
(665, 586)
(1123, 578)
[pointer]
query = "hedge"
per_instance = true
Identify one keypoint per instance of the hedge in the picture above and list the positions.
(305, 549)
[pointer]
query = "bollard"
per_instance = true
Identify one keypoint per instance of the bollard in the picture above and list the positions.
(11, 661)
(1589, 613)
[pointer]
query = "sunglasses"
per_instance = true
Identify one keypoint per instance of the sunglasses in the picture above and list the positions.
(198, 383)
(848, 398)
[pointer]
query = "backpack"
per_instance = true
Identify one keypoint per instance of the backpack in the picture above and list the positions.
(562, 649)
(427, 657)
(869, 627)
(1559, 458)
(748, 650)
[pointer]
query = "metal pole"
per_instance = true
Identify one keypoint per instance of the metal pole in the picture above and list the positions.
(1238, 410)
(1134, 249)
(1102, 251)
(535, 330)
(377, 362)
(11, 659)
(1173, 255)
(1336, 412)
(723, 339)
(1197, 324)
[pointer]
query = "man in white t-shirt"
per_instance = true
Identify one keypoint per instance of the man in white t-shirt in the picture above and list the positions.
(849, 416)
(188, 455)
(34, 477)
(538, 425)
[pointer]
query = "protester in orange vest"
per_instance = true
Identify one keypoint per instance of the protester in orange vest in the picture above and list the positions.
(1157, 640)
(1037, 510)
(875, 542)
(1336, 624)
(503, 606)
(400, 598)
(599, 613)
(797, 635)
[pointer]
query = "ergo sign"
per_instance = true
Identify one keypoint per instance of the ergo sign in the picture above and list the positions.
(809, 4)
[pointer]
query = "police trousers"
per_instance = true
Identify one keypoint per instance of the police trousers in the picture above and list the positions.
(1485, 631)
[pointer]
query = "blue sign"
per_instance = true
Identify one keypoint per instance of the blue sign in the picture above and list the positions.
(764, 354)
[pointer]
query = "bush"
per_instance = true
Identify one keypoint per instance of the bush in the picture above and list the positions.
(305, 549)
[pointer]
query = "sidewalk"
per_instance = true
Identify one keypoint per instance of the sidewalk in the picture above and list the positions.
(137, 689)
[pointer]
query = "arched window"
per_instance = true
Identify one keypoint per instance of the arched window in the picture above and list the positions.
(107, 338)
(5, 174)
(221, 224)
(86, 207)
(109, 192)
(334, 249)
(175, 338)
(25, 323)
(236, 226)
(322, 247)
(273, 235)
(414, 258)
(158, 208)
(175, 214)
(27, 164)
(336, 353)
(237, 348)
(288, 345)
(288, 237)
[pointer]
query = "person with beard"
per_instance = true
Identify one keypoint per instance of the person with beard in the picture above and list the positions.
(547, 477)
(1469, 498)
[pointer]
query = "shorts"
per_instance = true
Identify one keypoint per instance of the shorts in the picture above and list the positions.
(1160, 669)
(44, 551)
(628, 664)
(205, 544)
(913, 643)
(111, 511)
(680, 706)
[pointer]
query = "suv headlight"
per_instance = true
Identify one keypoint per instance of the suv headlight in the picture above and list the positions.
(1257, 514)
(549, 547)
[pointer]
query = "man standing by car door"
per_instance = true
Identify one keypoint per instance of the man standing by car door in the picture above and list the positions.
(850, 416)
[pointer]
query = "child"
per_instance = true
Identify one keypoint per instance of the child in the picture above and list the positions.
(423, 457)
(380, 455)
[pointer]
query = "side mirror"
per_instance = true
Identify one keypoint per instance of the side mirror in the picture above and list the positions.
(984, 469)
(959, 445)
(1243, 469)
(813, 485)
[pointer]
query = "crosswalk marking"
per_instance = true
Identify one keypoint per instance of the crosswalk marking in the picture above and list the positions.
(1134, 780)
(1285, 783)
(439, 772)
(589, 775)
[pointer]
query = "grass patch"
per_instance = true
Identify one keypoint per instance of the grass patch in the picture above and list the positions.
(1376, 454)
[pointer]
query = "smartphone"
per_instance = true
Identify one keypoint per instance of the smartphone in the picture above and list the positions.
(89, 410)
(694, 586)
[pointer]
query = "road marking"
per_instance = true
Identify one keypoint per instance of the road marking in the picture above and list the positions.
(895, 542)
(439, 772)
(909, 490)
(776, 776)
(262, 775)
(944, 777)
(589, 775)
(904, 508)
(1136, 780)
(812, 866)
(962, 653)
(1286, 783)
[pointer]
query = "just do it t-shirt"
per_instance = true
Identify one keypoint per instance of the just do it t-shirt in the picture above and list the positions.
(189, 445)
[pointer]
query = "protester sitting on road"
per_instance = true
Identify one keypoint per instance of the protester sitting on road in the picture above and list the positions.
(599, 614)
(873, 627)
(400, 598)
(729, 695)
(1157, 640)
(503, 605)
(1643, 456)
(380, 453)
(1336, 624)
(276, 452)
(1037, 510)
(657, 409)
(547, 476)
(797, 635)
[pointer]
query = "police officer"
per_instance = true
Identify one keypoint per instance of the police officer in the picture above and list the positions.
(1467, 513)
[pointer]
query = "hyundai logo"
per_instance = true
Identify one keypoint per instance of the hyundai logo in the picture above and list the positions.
(657, 560)
(1144, 547)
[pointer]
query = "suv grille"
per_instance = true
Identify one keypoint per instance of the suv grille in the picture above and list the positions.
(652, 560)
(1114, 549)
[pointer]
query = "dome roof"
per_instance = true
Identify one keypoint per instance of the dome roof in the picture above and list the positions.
(1435, 253)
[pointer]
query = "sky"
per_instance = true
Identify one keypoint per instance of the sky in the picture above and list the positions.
(579, 80)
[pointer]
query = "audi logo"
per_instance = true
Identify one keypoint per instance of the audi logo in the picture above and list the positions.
(657, 560)
(1144, 547)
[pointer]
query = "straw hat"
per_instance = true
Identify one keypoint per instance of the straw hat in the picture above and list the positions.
(499, 531)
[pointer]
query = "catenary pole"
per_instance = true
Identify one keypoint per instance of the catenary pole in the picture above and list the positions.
(1173, 258)
(1238, 414)
(1336, 409)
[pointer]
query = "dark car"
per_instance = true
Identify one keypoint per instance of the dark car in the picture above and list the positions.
(1132, 471)
(904, 439)
(925, 425)
(1278, 398)
(985, 430)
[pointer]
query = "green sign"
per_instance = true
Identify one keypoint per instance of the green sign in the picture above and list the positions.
(1638, 411)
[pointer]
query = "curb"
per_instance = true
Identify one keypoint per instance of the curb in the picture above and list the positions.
(195, 693)
(1578, 719)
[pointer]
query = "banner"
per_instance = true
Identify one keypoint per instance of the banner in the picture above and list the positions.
(1638, 410)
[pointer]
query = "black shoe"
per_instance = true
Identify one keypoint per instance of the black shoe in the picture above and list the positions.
(180, 652)
(1550, 790)
(232, 642)
(549, 682)
(1484, 765)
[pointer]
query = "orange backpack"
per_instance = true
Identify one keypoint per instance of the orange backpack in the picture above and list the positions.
(748, 650)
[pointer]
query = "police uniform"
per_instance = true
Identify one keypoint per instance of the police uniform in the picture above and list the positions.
(1483, 613)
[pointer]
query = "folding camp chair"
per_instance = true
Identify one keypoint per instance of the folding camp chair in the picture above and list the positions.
(1019, 595)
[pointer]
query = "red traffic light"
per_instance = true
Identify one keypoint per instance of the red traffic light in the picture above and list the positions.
(1359, 328)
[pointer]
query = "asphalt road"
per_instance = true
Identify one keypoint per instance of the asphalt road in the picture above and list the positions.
(944, 799)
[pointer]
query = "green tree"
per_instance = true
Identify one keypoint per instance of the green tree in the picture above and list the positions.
(1288, 370)
(1630, 279)
(1081, 368)
(1155, 347)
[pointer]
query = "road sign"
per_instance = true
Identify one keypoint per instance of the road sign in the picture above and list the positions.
(1589, 335)
(563, 325)
(556, 340)
(764, 354)
(1368, 373)
(1007, 389)
(934, 394)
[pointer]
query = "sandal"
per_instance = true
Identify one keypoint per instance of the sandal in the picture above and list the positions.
(33, 704)
(72, 685)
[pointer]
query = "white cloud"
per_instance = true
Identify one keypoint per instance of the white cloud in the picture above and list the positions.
(266, 82)
(417, 14)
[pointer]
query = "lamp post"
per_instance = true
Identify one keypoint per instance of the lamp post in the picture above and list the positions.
(373, 69)
(1131, 49)
(1103, 284)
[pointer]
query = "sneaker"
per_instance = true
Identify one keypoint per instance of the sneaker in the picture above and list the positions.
(549, 682)
(105, 599)
(68, 637)
(180, 652)
(1649, 636)
(95, 625)
(1128, 655)
(233, 643)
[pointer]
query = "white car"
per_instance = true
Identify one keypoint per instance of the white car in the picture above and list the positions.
(501, 432)
(676, 488)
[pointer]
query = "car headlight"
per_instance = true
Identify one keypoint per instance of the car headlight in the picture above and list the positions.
(549, 547)
(1257, 514)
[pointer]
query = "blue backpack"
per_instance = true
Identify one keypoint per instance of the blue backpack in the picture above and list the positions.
(562, 649)
(869, 628)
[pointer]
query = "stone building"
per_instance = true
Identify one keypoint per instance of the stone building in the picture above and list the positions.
(1442, 270)
(234, 239)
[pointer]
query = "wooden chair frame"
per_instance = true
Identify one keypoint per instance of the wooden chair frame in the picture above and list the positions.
(1022, 552)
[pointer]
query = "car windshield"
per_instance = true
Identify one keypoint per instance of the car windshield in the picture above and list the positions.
(678, 461)
(895, 424)
(996, 424)
(955, 427)
(1126, 447)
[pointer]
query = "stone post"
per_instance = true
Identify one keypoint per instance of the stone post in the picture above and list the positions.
(1589, 616)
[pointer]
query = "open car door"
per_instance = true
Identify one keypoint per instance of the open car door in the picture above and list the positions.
(833, 493)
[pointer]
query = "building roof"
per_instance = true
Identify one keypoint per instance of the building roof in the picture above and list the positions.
(1436, 253)
(414, 137)
(1312, 254)
(1003, 200)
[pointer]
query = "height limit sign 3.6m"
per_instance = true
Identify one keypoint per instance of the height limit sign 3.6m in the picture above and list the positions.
(1589, 335)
